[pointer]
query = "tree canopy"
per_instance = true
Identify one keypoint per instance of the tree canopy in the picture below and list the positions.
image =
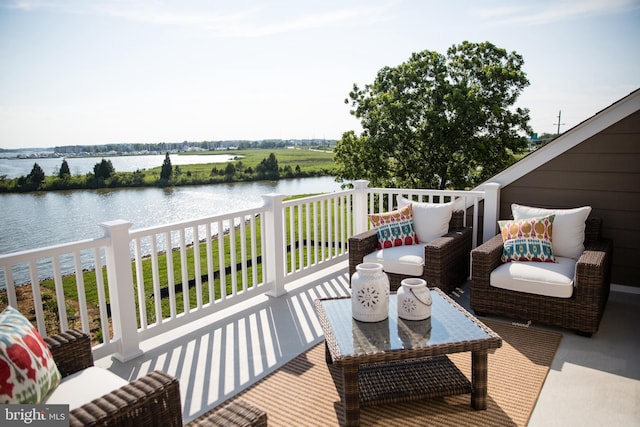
(167, 169)
(36, 176)
(268, 168)
(104, 169)
(437, 121)
(64, 170)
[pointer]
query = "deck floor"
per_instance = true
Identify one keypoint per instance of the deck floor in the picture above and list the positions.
(592, 382)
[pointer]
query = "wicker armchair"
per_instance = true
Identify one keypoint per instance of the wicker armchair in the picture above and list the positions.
(582, 312)
(446, 258)
(152, 400)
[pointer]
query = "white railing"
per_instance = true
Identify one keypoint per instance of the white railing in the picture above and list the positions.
(386, 199)
(213, 262)
(325, 224)
(70, 302)
(159, 278)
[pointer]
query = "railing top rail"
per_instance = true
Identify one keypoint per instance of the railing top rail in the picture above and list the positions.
(462, 193)
(317, 197)
(198, 221)
(48, 251)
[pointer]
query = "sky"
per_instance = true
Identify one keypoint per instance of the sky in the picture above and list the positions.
(125, 71)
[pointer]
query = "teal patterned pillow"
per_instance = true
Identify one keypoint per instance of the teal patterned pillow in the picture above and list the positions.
(527, 239)
(27, 369)
(394, 228)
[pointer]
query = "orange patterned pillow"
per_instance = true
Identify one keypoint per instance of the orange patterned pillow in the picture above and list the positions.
(527, 239)
(394, 228)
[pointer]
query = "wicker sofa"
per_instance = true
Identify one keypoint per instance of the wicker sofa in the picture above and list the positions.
(581, 312)
(152, 400)
(446, 258)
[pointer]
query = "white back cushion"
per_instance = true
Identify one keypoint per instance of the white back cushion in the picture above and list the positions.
(568, 227)
(430, 220)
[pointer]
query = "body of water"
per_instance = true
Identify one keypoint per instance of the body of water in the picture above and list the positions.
(14, 168)
(35, 220)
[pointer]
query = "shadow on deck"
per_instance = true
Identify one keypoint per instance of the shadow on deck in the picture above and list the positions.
(593, 381)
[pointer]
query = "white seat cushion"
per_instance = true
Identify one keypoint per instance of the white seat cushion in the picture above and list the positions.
(407, 260)
(83, 387)
(540, 278)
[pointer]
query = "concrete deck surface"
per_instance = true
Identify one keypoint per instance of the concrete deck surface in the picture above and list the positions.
(592, 382)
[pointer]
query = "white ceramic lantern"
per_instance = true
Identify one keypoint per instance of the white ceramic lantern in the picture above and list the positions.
(414, 299)
(370, 293)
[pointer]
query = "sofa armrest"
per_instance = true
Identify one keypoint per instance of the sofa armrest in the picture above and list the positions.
(484, 259)
(361, 245)
(151, 400)
(446, 255)
(450, 240)
(71, 351)
(593, 272)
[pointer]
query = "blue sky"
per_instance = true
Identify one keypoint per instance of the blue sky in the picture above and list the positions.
(112, 71)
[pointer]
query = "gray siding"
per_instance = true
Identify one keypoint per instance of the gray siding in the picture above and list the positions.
(602, 172)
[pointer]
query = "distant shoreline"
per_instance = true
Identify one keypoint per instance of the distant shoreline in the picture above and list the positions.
(245, 166)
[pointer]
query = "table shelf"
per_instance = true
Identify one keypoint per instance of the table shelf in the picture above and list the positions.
(408, 380)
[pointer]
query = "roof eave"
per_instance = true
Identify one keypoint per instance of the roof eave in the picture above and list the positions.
(569, 139)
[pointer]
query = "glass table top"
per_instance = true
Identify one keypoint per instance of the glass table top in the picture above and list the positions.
(447, 325)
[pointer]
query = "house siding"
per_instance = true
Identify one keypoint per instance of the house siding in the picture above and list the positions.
(603, 172)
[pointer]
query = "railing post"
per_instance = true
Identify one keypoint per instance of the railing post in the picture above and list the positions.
(274, 256)
(491, 209)
(121, 292)
(360, 205)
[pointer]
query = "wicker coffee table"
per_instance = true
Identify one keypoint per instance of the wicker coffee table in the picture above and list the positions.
(400, 360)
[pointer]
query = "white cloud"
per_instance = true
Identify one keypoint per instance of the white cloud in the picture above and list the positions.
(254, 24)
(26, 5)
(255, 19)
(540, 13)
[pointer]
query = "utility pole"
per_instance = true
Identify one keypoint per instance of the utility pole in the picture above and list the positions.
(559, 115)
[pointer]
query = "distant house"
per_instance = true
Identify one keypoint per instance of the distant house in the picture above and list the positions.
(596, 163)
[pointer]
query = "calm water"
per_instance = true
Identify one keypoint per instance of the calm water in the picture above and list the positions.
(14, 168)
(34, 220)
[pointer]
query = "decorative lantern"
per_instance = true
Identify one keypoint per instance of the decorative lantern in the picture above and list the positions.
(414, 299)
(370, 293)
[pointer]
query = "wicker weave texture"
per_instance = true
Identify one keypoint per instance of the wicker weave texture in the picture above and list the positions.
(71, 350)
(148, 401)
(408, 380)
(152, 400)
(446, 258)
(306, 392)
(382, 377)
(582, 312)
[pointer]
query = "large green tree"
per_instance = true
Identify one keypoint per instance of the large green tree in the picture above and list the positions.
(437, 121)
